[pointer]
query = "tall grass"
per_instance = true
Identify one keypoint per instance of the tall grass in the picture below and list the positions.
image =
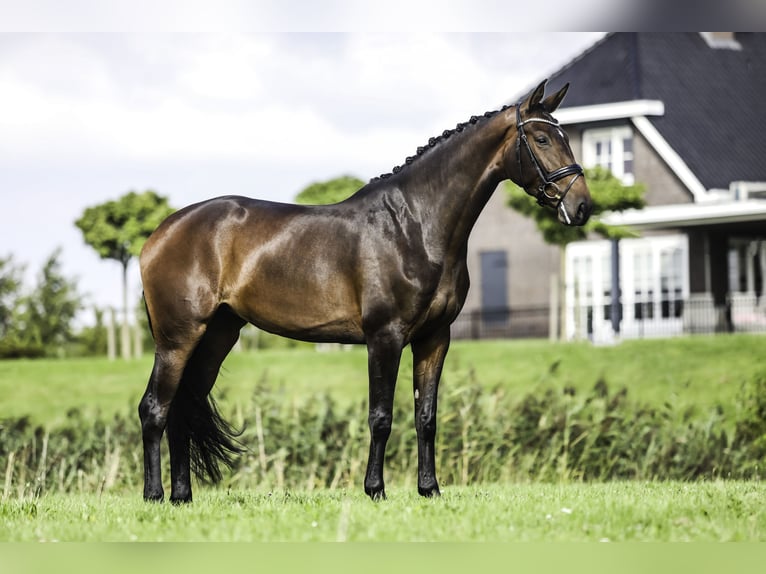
(551, 434)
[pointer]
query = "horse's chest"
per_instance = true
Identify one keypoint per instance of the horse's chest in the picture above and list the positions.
(448, 298)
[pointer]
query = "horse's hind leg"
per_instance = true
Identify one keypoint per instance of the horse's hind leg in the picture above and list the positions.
(198, 379)
(153, 410)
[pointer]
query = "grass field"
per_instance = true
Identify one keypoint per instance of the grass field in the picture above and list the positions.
(695, 374)
(610, 512)
(693, 371)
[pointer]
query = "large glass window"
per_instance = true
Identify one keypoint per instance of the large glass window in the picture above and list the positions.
(654, 286)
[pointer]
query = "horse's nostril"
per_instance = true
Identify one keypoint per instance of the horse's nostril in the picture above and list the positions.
(582, 212)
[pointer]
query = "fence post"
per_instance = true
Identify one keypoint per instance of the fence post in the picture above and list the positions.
(125, 336)
(616, 310)
(553, 312)
(111, 344)
(138, 336)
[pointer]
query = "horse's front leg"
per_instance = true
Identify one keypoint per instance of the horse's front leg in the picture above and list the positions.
(428, 360)
(384, 350)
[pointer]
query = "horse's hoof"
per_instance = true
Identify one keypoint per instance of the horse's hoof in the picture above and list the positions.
(376, 493)
(154, 496)
(429, 491)
(181, 499)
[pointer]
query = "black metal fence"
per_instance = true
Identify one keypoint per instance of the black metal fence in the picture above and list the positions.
(527, 322)
(698, 314)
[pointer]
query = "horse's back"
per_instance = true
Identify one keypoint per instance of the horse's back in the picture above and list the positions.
(286, 268)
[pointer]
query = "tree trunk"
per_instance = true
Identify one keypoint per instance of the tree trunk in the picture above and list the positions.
(125, 330)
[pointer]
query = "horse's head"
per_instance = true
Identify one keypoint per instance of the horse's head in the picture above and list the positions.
(542, 162)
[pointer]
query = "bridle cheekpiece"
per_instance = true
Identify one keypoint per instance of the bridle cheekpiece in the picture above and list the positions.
(547, 179)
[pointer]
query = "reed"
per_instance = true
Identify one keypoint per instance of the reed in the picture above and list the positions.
(551, 434)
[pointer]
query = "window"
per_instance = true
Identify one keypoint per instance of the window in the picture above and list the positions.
(654, 285)
(582, 291)
(610, 148)
(671, 282)
(643, 282)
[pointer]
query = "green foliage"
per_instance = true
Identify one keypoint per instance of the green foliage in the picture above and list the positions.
(51, 307)
(330, 191)
(10, 286)
(608, 194)
(13, 346)
(118, 229)
(92, 340)
(42, 321)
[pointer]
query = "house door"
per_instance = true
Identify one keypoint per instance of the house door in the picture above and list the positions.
(494, 287)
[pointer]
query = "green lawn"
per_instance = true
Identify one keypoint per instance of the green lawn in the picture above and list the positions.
(613, 512)
(692, 371)
(695, 373)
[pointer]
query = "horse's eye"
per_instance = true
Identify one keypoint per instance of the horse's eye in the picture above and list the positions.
(542, 140)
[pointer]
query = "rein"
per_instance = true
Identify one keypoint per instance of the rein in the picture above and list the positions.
(547, 179)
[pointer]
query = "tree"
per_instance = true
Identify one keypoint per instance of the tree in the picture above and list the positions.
(330, 191)
(48, 312)
(10, 285)
(93, 339)
(607, 193)
(118, 230)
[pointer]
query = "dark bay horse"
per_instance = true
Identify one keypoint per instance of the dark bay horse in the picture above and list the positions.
(385, 268)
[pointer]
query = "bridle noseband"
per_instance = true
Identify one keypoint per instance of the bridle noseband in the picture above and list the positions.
(547, 179)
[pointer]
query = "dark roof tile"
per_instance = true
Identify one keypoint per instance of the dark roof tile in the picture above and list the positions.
(714, 98)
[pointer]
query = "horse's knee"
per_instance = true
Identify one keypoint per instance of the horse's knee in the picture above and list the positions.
(425, 425)
(380, 424)
(425, 418)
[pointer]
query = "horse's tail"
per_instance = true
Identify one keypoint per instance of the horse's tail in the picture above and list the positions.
(212, 439)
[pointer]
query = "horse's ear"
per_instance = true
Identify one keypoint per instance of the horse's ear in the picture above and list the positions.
(537, 95)
(552, 102)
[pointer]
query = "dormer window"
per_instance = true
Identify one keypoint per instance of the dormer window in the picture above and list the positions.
(612, 149)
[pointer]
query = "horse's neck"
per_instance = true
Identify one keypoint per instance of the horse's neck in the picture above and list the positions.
(454, 181)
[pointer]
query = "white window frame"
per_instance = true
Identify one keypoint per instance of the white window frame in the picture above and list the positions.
(618, 156)
(598, 257)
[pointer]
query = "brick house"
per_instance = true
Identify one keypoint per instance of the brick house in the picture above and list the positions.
(681, 113)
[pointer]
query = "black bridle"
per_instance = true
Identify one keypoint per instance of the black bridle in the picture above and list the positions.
(547, 179)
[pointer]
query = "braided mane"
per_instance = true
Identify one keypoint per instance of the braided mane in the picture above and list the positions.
(434, 141)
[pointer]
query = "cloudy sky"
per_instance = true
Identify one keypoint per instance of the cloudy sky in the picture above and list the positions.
(86, 117)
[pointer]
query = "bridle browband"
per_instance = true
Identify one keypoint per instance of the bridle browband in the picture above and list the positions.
(547, 179)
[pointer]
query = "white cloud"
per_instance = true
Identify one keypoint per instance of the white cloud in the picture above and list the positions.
(85, 117)
(226, 68)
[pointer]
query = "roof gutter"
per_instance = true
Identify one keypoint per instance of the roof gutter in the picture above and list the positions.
(688, 215)
(612, 111)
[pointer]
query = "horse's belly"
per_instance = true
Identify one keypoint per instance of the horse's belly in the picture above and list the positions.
(310, 317)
